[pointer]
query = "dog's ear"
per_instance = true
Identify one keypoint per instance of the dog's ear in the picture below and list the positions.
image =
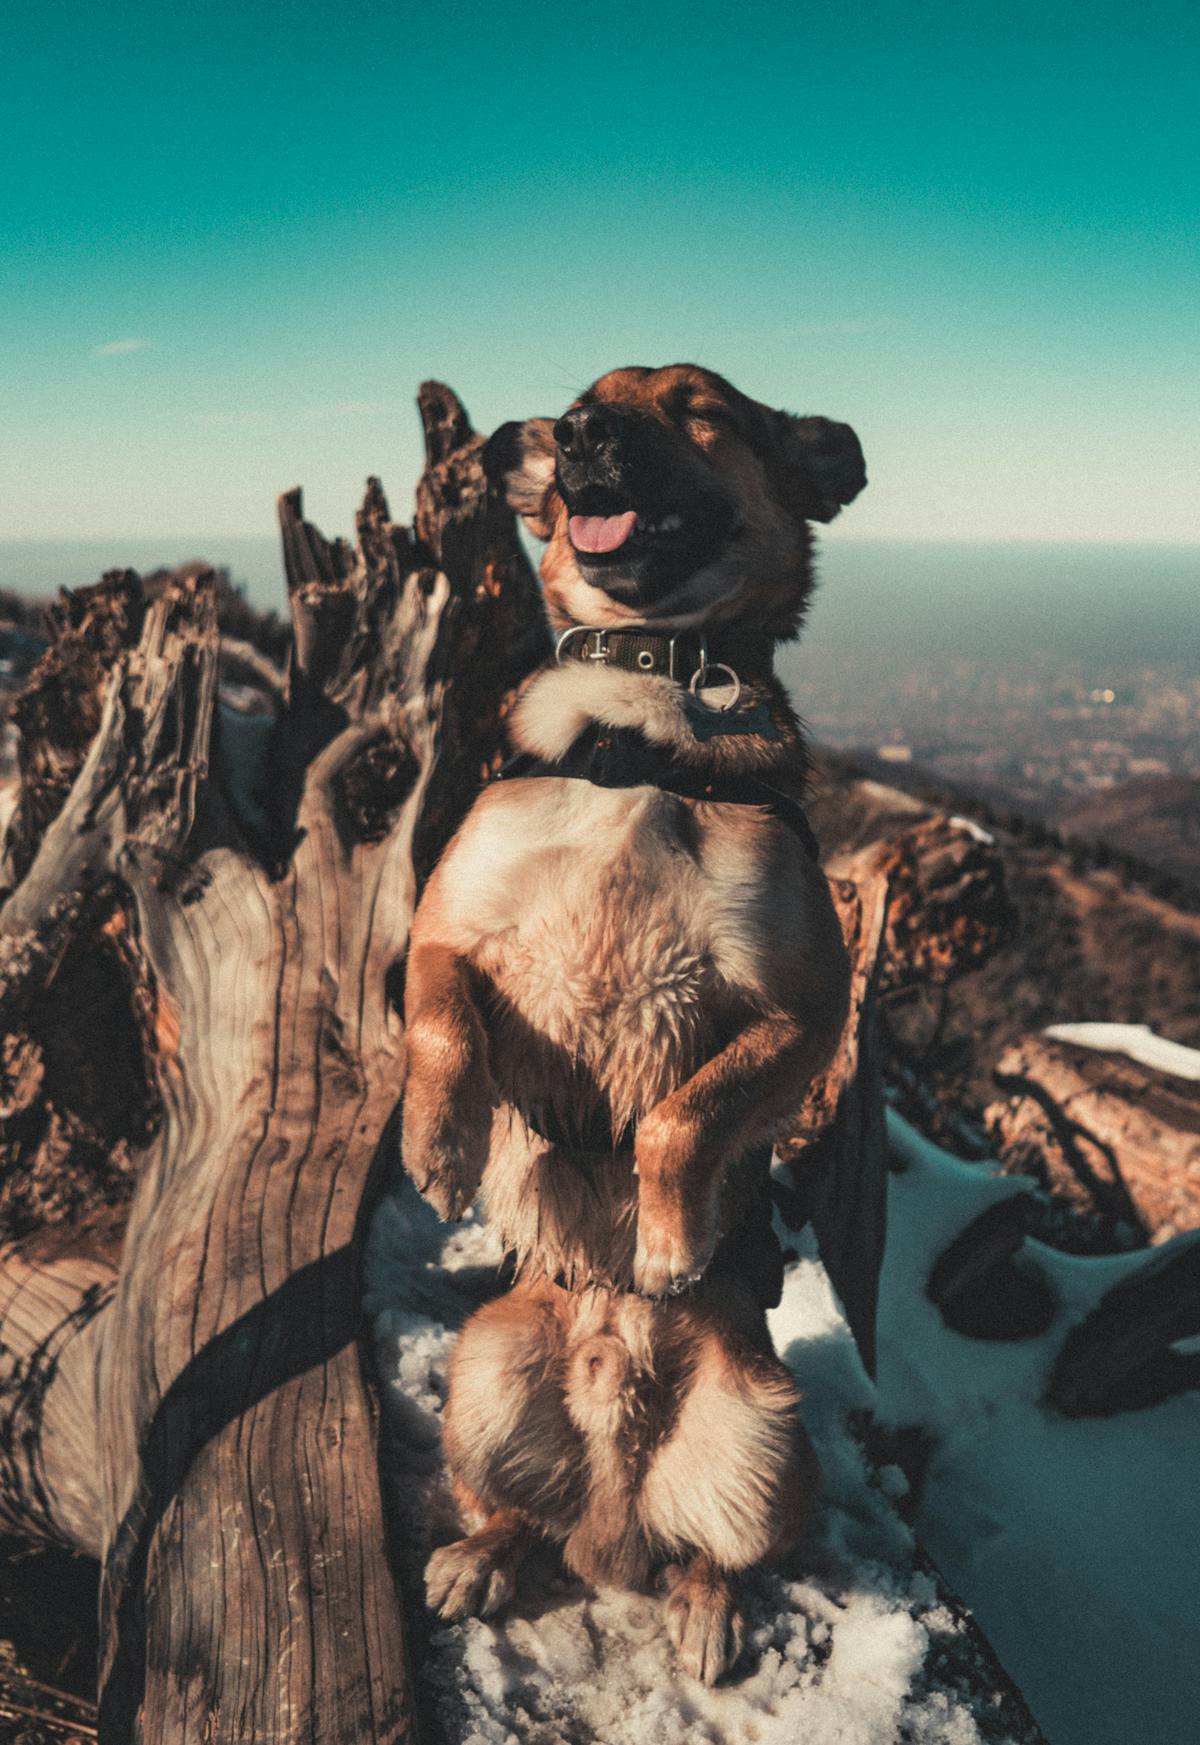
(519, 462)
(821, 464)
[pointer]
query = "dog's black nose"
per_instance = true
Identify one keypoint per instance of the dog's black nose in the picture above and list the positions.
(587, 432)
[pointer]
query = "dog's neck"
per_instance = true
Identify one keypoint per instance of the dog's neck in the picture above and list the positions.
(677, 654)
(699, 716)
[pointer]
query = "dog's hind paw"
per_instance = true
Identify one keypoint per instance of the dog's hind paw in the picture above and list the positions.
(704, 1621)
(468, 1579)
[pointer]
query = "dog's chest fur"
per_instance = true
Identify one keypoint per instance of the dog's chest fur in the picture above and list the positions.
(612, 923)
(620, 933)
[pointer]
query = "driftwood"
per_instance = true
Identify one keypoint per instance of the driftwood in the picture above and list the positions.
(197, 1416)
(1118, 1141)
(948, 907)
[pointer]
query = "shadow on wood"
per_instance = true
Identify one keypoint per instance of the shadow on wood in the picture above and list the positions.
(200, 1418)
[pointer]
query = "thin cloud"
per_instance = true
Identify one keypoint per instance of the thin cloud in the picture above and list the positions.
(118, 347)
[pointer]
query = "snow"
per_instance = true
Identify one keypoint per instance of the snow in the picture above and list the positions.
(975, 831)
(894, 798)
(1075, 1542)
(841, 1643)
(1137, 1041)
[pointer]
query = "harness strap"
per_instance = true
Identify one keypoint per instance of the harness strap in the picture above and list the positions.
(621, 757)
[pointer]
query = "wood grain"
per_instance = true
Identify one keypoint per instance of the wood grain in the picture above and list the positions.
(200, 1417)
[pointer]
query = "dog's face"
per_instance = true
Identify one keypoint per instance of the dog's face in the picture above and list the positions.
(668, 497)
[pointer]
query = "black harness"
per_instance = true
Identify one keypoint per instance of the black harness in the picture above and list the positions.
(621, 757)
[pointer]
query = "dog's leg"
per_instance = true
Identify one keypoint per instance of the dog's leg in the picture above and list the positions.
(449, 1096)
(687, 1142)
(703, 1618)
(734, 1480)
(475, 1576)
(509, 1440)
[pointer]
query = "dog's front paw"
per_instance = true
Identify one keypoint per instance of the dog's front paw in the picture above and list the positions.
(677, 1209)
(446, 1192)
(468, 1579)
(441, 1183)
(672, 1252)
(446, 1164)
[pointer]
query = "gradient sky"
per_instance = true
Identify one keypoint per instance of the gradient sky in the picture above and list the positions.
(234, 238)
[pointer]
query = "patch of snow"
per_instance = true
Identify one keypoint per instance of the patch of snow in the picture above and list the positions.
(1137, 1041)
(1075, 1541)
(975, 831)
(10, 793)
(842, 1642)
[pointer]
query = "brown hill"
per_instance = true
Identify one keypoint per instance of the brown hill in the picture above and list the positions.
(1154, 818)
(1088, 944)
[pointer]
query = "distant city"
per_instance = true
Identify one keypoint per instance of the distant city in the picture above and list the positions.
(1058, 683)
(1038, 736)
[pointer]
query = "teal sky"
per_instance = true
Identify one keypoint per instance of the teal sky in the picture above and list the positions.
(233, 239)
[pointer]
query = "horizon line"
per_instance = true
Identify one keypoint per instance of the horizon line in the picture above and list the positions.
(822, 534)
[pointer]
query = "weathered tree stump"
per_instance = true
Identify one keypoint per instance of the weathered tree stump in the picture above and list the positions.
(1115, 1139)
(198, 1417)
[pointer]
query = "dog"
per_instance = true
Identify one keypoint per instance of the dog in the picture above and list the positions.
(622, 976)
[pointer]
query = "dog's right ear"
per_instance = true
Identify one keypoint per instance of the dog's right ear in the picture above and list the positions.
(519, 462)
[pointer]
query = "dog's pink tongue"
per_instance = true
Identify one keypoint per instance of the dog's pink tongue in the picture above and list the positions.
(601, 532)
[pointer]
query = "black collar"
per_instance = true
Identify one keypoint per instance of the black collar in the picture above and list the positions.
(621, 757)
(678, 655)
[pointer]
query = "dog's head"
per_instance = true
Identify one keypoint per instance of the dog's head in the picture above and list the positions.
(668, 497)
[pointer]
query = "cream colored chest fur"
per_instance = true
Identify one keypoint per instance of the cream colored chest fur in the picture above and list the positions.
(614, 921)
(619, 938)
(606, 915)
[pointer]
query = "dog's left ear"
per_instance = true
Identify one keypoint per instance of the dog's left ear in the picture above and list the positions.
(518, 460)
(821, 464)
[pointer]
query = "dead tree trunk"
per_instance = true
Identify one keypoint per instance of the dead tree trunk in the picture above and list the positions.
(199, 1419)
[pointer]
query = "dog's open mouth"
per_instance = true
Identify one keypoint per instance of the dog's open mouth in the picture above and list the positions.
(594, 533)
(599, 527)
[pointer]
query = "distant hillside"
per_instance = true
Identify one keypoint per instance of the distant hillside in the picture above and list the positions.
(1146, 830)
(1089, 944)
(1154, 818)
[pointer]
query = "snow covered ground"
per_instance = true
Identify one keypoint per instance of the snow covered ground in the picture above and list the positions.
(850, 1645)
(1075, 1542)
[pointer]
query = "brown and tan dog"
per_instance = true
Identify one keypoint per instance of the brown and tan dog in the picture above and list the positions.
(622, 977)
